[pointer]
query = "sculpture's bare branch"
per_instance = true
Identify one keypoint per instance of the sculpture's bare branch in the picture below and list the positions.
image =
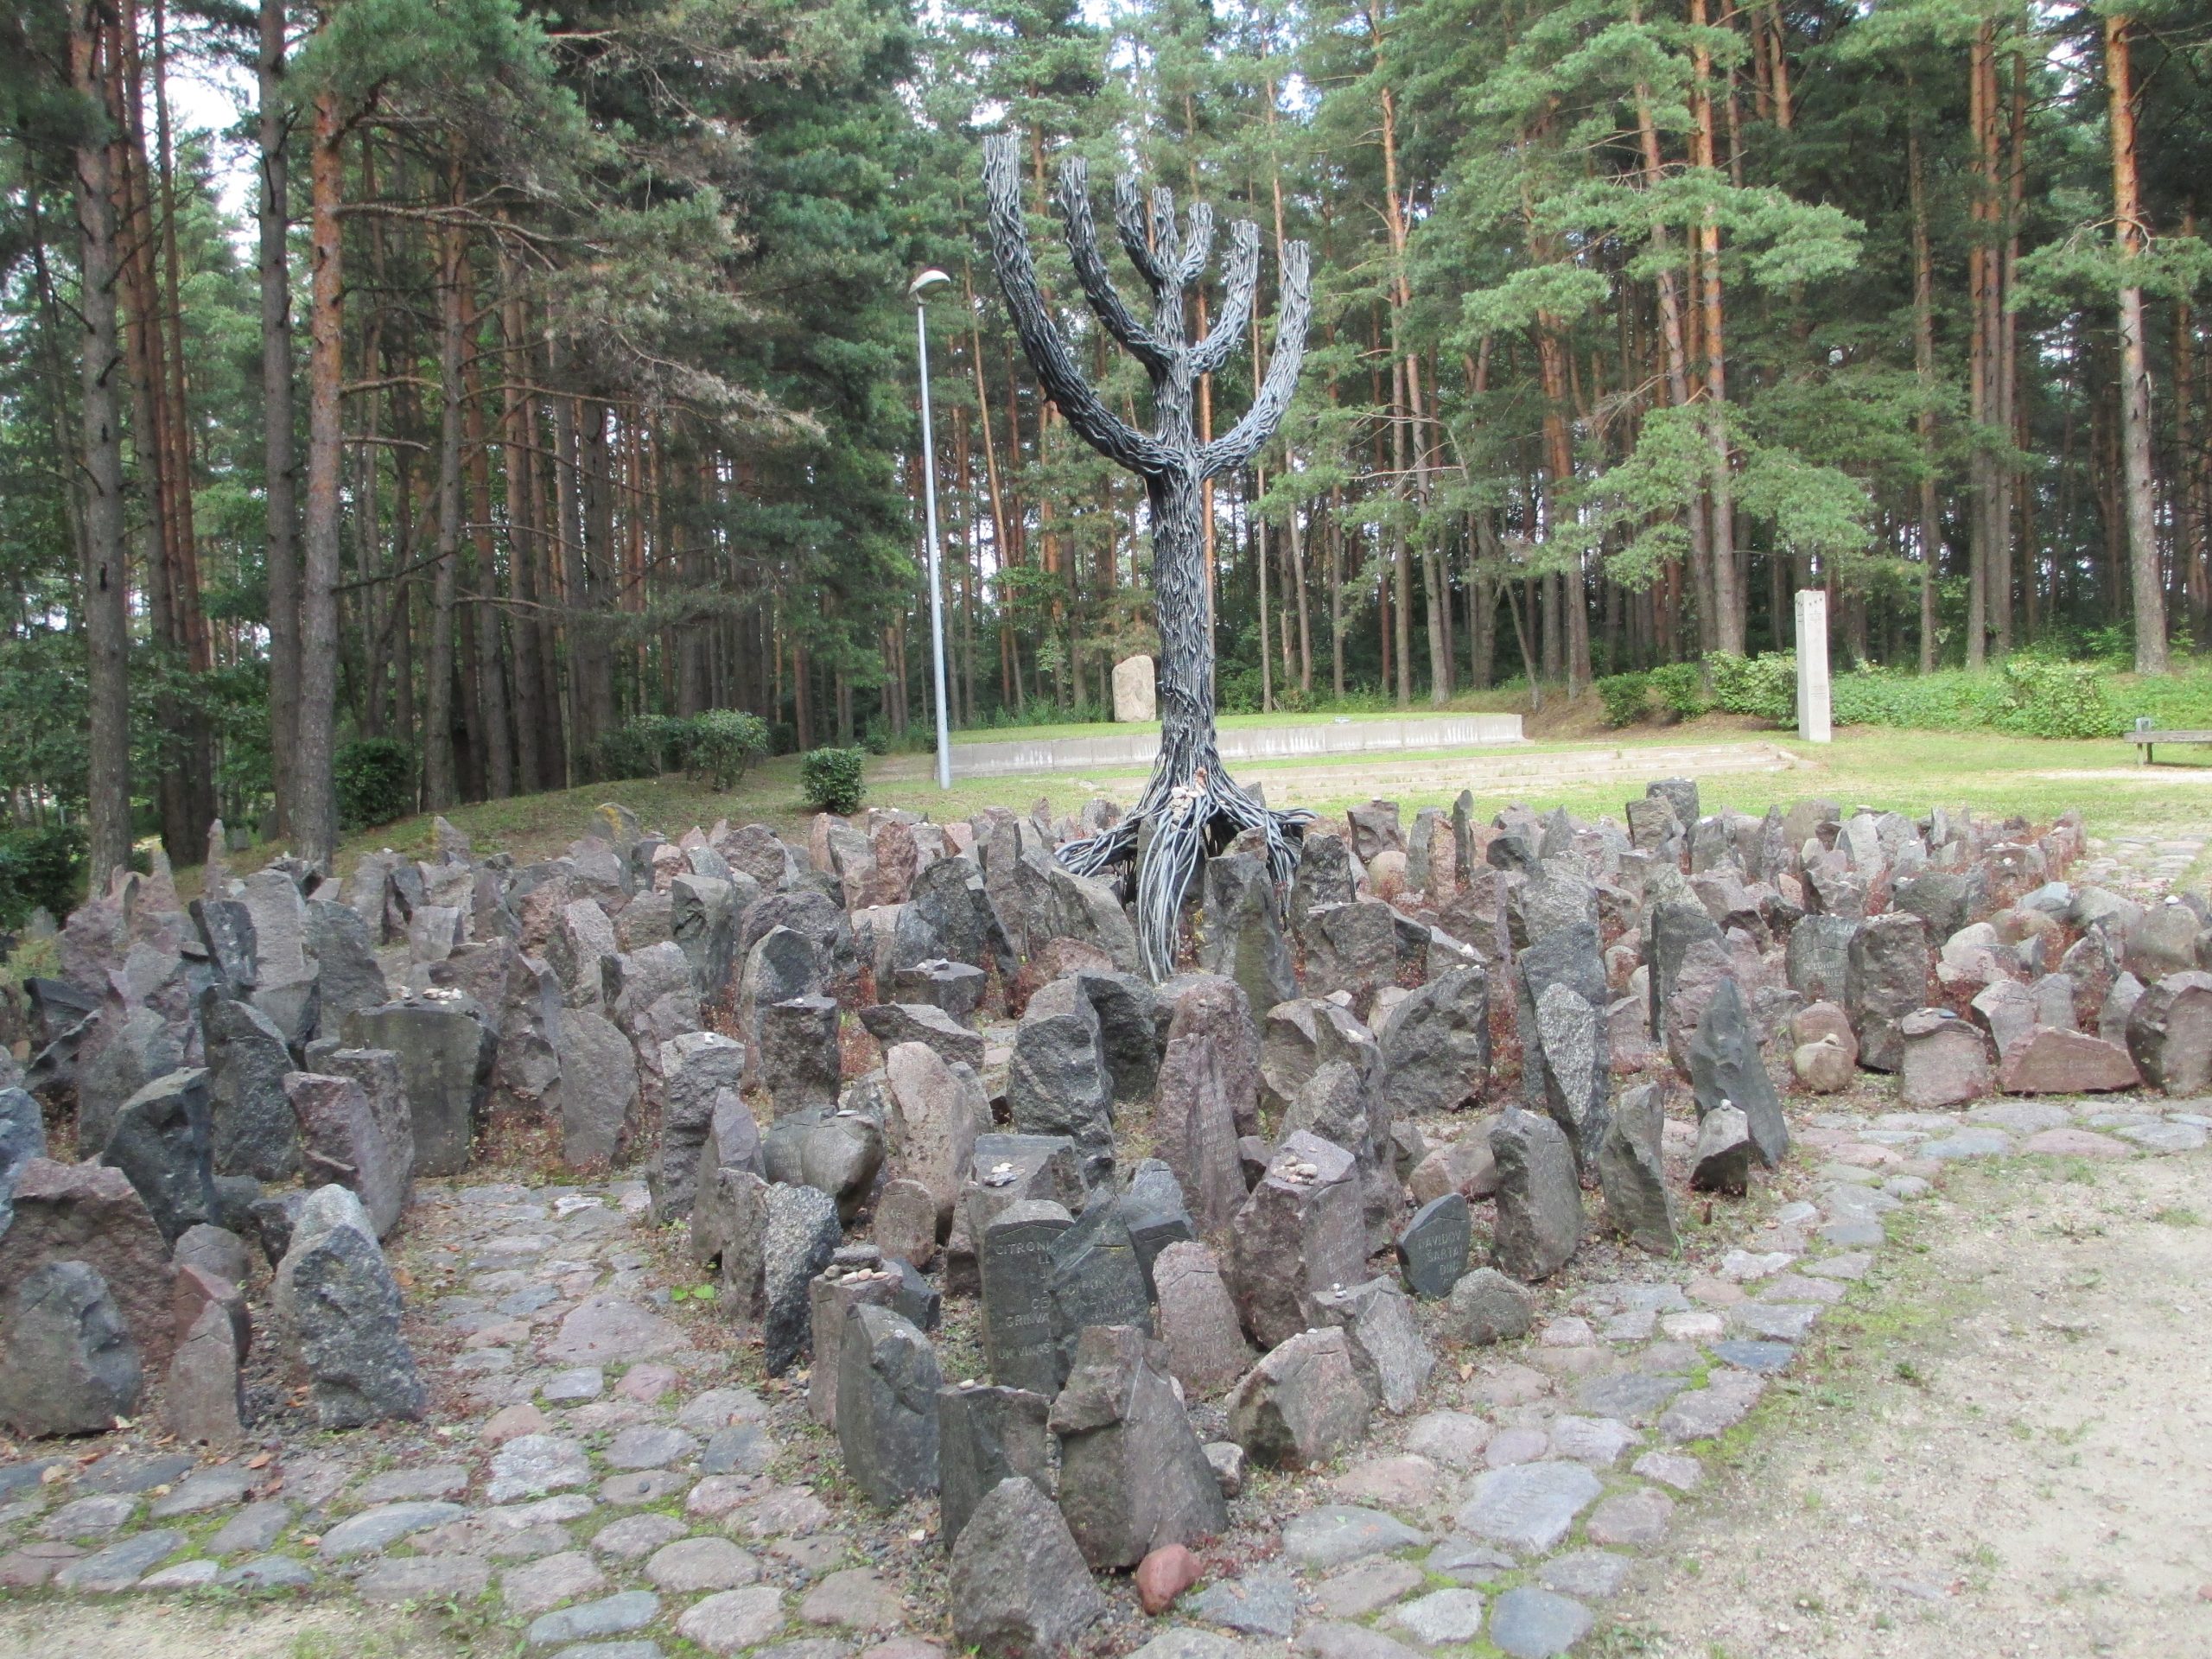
(1197, 245)
(1130, 222)
(1240, 279)
(1226, 454)
(1166, 240)
(1090, 270)
(1057, 372)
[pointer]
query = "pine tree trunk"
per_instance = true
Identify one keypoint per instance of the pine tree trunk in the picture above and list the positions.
(545, 550)
(281, 556)
(314, 829)
(105, 600)
(581, 654)
(492, 677)
(600, 564)
(1980, 372)
(137, 238)
(1337, 590)
(2006, 367)
(440, 783)
(199, 767)
(530, 750)
(2141, 484)
(1923, 357)
(1671, 325)
(1401, 567)
(2189, 469)
(1727, 567)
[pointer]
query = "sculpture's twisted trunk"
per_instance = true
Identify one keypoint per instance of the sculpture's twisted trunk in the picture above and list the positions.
(1191, 808)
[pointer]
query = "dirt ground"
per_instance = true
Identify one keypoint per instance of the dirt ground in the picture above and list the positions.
(2007, 1452)
(149, 1630)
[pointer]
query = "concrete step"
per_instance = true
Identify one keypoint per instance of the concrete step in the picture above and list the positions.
(1437, 778)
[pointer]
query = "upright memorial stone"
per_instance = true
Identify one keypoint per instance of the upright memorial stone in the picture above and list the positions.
(1432, 1250)
(1812, 723)
(888, 1386)
(1096, 1280)
(1016, 1253)
(1134, 697)
(986, 1435)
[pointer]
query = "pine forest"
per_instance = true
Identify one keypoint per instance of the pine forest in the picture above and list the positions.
(432, 401)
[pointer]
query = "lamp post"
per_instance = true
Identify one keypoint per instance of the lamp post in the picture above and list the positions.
(920, 290)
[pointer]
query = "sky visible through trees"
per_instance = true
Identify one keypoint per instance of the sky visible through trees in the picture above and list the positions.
(584, 331)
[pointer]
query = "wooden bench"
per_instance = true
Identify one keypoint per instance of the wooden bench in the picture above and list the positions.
(2143, 741)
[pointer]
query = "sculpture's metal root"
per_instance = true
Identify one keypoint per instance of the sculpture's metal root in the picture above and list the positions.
(1179, 826)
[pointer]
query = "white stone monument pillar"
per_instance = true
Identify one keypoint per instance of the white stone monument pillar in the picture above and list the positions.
(1136, 690)
(1813, 665)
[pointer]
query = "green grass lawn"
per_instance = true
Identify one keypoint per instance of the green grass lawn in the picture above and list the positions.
(1908, 771)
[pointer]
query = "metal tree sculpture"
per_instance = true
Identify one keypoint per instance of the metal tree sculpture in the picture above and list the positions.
(1191, 807)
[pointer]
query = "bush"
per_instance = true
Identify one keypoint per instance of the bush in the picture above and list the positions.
(645, 746)
(1763, 686)
(720, 745)
(782, 738)
(1681, 686)
(830, 779)
(1627, 697)
(375, 778)
(1236, 690)
(2047, 698)
(40, 867)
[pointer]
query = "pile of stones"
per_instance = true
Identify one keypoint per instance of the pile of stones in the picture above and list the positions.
(904, 1095)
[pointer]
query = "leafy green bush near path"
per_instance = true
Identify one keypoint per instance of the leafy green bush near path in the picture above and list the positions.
(40, 866)
(2026, 695)
(714, 748)
(643, 746)
(375, 780)
(1627, 697)
(830, 779)
(720, 745)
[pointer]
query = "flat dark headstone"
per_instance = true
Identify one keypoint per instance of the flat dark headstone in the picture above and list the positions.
(1016, 1263)
(1432, 1250)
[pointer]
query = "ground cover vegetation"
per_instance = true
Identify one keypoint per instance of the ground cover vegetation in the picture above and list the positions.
(550, 401)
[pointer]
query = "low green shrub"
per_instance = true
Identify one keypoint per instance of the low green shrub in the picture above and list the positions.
(2030, 695)
(1627, 697)
(1763, 686)
(2045, 697)
(830, 779)
(720, 745)
(375, 779)
(643, 746)
(1680, 689)
(41, 866)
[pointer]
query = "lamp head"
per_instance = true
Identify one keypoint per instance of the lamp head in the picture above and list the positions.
(926, 283)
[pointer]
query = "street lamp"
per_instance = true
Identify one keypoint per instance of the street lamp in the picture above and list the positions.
(920, 289)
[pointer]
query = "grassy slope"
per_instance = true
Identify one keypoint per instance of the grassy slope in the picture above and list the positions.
(1907, 770)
